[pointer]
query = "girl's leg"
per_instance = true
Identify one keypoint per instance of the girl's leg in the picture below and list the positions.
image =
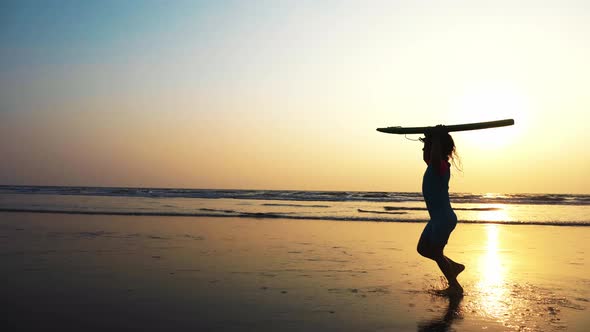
(424, 247)
(449, 270)
(445, 266)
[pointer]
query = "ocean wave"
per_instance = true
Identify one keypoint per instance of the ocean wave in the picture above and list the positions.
(265, 215)
(404, 208)
(296, 205)
(379, 212)
(302, 196)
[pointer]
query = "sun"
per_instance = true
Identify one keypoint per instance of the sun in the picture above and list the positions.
(488, 102)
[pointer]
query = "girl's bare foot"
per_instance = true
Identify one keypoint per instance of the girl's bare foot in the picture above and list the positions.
(458, 268)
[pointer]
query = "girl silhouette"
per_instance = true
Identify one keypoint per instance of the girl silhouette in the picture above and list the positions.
(439, 147)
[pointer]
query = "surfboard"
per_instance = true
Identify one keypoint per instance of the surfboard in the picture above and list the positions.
(457, 127)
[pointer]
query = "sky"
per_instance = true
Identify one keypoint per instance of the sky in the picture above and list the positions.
(288, 94)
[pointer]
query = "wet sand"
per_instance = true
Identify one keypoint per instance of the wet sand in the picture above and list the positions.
(77, 272)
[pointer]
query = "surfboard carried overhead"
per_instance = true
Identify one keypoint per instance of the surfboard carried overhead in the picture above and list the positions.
(457, 127)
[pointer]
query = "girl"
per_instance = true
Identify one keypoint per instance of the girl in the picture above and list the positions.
(439, 147)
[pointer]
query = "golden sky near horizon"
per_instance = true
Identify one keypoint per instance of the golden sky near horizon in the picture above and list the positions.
(287, 95)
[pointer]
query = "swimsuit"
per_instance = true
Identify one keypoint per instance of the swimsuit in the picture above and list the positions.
(435, 189)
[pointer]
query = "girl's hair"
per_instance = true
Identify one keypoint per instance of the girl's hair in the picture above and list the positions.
(448, 148)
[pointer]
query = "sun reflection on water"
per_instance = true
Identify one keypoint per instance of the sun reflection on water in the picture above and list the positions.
(499, 214)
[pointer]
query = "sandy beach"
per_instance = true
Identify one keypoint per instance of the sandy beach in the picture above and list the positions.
(78, 272)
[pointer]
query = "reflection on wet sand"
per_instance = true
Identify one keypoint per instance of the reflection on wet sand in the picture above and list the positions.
(491, 290)
(241, 275)
(445, 322)
(499, 295)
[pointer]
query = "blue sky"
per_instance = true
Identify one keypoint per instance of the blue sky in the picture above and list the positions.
(287, 94)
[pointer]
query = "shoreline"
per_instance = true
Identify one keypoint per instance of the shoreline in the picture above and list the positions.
(83, 271)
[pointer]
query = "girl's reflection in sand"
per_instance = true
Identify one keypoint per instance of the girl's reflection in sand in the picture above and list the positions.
(444, 323)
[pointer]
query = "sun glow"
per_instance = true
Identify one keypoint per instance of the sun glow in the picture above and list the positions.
(488, 102)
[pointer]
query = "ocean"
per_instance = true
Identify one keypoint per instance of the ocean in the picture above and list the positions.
(352, 206)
